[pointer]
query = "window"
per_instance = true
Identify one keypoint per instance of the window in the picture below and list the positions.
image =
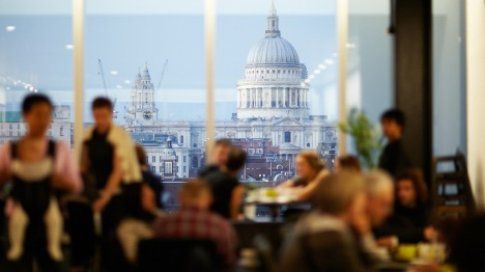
(281, 105)
(168, 168)
(160, 169)
(287, 137)
(154, 159)
(449, 77)
(45, 67)
(151, 62)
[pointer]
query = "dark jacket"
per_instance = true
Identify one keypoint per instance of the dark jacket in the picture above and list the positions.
(222, 186)
(394, 158)
(322, 243)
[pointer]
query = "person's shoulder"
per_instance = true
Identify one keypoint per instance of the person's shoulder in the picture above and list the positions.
(5, 147)
(207, 170)
(218, 219)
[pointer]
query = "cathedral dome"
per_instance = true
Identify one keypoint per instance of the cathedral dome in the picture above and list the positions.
(273, 50)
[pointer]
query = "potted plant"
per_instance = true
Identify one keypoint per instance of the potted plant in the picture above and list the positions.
(366, 137)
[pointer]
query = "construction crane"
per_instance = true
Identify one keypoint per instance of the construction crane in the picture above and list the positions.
(162, 74)
(105, 87)
(101, 73)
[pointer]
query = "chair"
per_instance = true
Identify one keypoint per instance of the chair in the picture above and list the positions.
(182, 255)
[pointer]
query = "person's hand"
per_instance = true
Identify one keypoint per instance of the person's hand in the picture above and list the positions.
(430, 233)
(100, 204)
(389, 242)
(286, 184)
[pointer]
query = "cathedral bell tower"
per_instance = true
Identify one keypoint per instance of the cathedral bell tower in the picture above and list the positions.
(143, 111)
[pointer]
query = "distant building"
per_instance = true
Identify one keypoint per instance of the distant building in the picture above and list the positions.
(12, 125)
(272, 121)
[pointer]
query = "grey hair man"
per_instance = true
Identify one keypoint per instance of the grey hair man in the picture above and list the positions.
(380, 202)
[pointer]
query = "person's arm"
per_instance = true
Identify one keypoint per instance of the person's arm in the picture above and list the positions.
(66, 176)
(236, 201)
(287, 184)
(4, 164)
(111, 187)
(148, 199)
(306, 193)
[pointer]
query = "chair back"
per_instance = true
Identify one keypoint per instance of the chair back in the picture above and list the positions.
(182, 255)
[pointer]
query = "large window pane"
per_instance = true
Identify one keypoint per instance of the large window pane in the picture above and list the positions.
(148, 56)
(370, 65)
(449, 90)
(276, 82)
(35, 56)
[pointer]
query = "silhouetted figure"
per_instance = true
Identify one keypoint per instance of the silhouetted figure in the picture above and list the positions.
(394, 158)
(38, 169)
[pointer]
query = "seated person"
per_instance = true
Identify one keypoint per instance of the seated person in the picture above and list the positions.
(37, 168)
(324, 240)
(380, 200)
(407, 223)
(218, 158)
(151, 179)
(412, 198)
(348, 163)
(226, 190)
(309, 170)
(194, 220)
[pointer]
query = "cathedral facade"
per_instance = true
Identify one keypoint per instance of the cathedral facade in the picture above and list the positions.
(272, 121)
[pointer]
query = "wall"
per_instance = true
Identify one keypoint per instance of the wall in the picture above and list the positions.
(475, 24)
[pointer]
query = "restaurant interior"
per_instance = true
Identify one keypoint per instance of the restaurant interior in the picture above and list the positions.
(242, 135)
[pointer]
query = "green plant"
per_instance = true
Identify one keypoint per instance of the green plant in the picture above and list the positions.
(366, 137)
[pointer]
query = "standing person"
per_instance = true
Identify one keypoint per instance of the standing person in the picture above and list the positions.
(309, 170)
(227, 191)
(394, 158)
(112, 173)
(218, 157)
(37, 168)
(109, 160)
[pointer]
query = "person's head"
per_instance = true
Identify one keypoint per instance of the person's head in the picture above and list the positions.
(220, 151)
(37, 113)
(342, 194)
(410, 189)
(102, 108)
(348, 163)
(308, 164)
(236, 158)
(141, 155)
(393, 122)
(195, 194)
(380, 196)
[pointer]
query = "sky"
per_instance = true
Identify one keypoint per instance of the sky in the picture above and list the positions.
(39, 50)
(190, 6)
